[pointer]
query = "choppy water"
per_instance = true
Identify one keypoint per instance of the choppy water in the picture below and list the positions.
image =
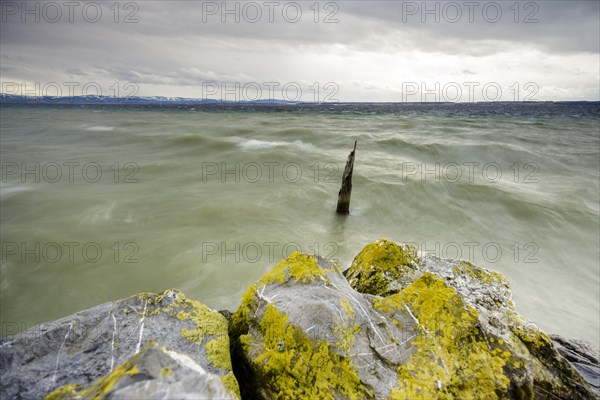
(98, 203)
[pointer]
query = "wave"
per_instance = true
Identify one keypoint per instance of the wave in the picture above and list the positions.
(255, 144)
(7, 189)
(100, 128)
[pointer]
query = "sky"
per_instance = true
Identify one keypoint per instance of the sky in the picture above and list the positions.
(326, 51)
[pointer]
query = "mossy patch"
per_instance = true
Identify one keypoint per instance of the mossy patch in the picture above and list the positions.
(101, 388)
(346, 329)
(557, 376)
(293, 366)
(303, 268)
(231, 383)
(347, 308)
(63, 392)
(483, 275)
(217, 351)
(379, 264)
(453, 358)
(209, 328)
(240, 319)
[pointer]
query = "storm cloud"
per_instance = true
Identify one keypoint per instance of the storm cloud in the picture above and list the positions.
(338, 50)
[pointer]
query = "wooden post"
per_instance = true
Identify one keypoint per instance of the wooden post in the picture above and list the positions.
(343, 205)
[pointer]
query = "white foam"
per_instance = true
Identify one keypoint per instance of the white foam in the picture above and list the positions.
(255, 144)
(100, 128)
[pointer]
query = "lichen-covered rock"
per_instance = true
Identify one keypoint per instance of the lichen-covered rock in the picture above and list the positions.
(303, 332)
(383, 268)
(416, 327)
(470, 342)
(76, 351)
(156, 373)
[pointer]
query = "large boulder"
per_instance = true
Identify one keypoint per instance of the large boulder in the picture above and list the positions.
(303, 332)
(123, 349)
(422, 328)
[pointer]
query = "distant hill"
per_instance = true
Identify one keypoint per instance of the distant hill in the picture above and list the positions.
(92, 99)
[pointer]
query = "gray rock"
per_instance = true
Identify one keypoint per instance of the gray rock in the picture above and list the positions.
(535, 366)
(584, 357)
(402, 325)
(421, 328)
(304, 332)
(164, 374)
(81, 348)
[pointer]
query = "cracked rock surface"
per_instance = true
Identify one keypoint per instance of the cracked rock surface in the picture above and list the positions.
(68, 356)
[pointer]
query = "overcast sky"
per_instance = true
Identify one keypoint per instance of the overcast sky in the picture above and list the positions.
(339, 50)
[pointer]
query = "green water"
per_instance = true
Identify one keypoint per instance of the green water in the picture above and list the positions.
(163, 215)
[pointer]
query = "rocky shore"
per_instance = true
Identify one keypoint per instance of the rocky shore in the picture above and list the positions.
(395, 325)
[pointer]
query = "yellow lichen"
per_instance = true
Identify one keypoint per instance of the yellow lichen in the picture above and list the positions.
(239, 319)
(231, 384)
(209, 327)
(63, 392)
(452, 358)
(346, 329)
(101, 388)
(378, 264)
(483, 275)
(206, 321)
(166, 371)
(303, 268)
(217, 351)
(348, 308)
(294, 366)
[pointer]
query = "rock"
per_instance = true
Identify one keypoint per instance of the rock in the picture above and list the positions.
(74, 352)
(383, 268)
(442, 329)
(583, 355)
(303, 332)
(402, 326)
(466, 306)
(156, 373)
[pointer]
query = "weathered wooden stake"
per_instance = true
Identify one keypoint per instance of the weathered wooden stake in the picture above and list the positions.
(343, 205)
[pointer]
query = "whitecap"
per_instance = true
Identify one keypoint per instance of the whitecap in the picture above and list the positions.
(100, 128)
(255, 144)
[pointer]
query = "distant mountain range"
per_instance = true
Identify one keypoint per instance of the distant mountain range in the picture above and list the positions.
(190, 102)
(92, 99)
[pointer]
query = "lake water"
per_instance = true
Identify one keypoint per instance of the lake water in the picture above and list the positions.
(100, 202)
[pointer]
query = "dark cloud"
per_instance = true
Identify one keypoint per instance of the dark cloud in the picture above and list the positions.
(178, 43)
